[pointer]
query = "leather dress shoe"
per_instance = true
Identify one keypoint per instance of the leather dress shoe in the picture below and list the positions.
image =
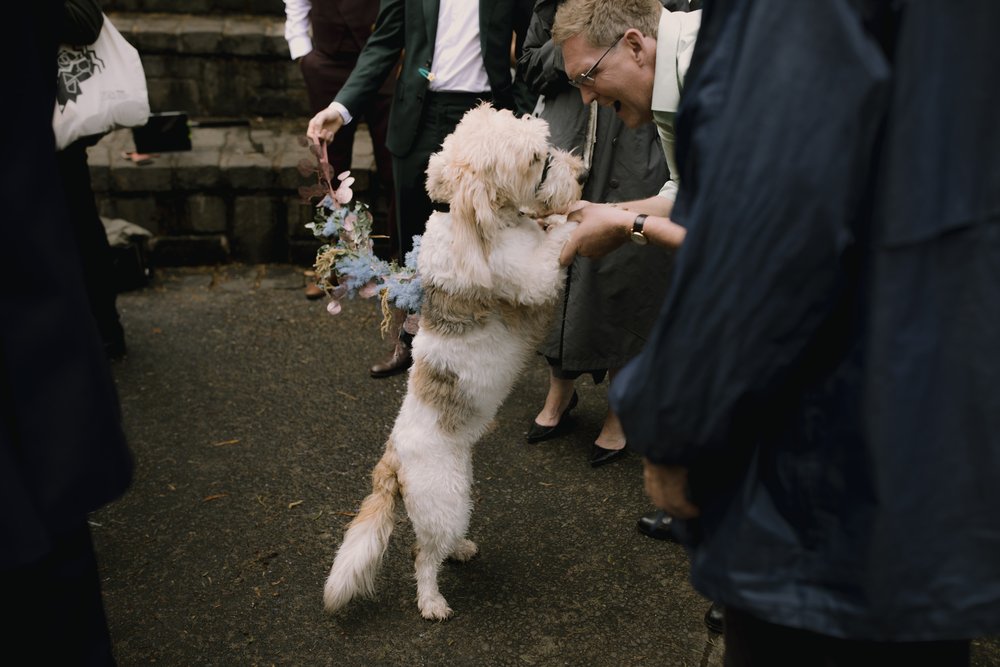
(657, 525)
(537, 432)
(314, 291)
(600, 456)
(715, 618)
(400, 360)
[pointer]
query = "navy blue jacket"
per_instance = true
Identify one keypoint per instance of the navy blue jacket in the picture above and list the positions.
(827, 363)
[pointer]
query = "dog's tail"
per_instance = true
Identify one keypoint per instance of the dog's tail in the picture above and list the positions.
(367, 537)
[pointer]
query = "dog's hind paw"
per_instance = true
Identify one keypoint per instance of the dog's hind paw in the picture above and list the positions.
(464, 552)
(434, 609)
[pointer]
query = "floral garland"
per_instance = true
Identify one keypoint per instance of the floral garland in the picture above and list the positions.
(346, 265)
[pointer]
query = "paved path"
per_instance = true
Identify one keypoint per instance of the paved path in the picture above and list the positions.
(255, 427)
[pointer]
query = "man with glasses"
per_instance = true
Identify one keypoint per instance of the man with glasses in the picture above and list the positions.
(639, 72)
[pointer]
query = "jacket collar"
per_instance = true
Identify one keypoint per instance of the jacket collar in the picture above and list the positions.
(675, 41)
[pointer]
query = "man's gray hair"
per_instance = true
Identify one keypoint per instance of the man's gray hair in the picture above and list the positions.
(601, 22)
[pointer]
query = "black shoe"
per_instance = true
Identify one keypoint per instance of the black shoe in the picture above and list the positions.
(400, 360)
(537, 432)
(600, 456)
(715, 618)
(657, 525)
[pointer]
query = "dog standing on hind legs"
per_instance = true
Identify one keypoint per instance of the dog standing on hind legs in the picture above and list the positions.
(491, 279)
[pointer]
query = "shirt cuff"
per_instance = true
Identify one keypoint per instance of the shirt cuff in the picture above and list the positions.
(299, 46)
(669, 190)
(342, 110)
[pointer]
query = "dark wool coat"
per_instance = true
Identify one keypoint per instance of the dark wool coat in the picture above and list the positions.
(62, 450)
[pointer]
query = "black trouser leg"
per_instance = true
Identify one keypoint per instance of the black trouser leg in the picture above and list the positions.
(751, 642)
(55, 613)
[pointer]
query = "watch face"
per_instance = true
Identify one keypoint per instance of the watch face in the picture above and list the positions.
(639, 238)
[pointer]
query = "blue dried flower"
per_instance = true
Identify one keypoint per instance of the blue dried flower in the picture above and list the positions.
(407, 294)
(410, 261)
(355, 271)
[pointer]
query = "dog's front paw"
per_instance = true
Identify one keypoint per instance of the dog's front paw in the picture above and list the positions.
(559, 234)
(552, 221)
(434, 608)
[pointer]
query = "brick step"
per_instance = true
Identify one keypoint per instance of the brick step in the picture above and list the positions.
(234, 196)
(216, 65)
(269, 7)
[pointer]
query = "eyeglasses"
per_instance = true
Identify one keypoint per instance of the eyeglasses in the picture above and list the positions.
(587, 78)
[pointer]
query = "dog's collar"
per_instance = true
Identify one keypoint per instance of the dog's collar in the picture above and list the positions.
(545, 171)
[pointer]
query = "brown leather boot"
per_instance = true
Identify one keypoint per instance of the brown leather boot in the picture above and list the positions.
(398, 362)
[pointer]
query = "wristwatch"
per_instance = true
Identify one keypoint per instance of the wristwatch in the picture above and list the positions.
(636, 234)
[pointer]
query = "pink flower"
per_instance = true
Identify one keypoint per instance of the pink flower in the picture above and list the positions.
(369, 290)
(349, 221)
(343, 194)
(333, 307)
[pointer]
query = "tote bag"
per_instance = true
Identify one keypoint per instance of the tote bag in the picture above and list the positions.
(100, 86)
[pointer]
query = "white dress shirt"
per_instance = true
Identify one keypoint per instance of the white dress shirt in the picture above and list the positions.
(458, 55)
(297, 27)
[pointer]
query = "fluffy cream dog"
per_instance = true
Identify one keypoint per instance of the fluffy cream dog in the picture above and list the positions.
(491, 278)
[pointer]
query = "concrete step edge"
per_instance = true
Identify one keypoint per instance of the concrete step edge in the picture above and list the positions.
(241, 35)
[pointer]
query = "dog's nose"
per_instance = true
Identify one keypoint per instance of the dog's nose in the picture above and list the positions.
(582, 177)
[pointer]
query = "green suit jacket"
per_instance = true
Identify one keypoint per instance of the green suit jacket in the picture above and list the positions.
(410, 27)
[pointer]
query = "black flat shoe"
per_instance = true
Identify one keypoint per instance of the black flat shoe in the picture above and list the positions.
(657, 525)
(600, 456)
(715, 618)
(537, 432)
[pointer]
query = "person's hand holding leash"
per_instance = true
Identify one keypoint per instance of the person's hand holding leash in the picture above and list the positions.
(324, 125)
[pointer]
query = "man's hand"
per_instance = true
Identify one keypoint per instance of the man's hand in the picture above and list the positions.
(602, 229)
(666, 486)
(324, 125)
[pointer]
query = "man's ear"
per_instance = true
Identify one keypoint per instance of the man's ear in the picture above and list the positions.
(634, 41)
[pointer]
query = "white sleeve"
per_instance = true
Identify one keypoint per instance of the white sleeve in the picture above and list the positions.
(297, 27)
(342, 110)
(665, 128)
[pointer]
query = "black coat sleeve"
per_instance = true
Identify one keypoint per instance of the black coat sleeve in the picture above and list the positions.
(541, 65)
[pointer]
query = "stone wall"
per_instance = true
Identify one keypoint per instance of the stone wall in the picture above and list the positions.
(234, 196)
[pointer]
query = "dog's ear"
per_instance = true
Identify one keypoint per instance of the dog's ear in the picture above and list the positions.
(473, 219)
(440, 184)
